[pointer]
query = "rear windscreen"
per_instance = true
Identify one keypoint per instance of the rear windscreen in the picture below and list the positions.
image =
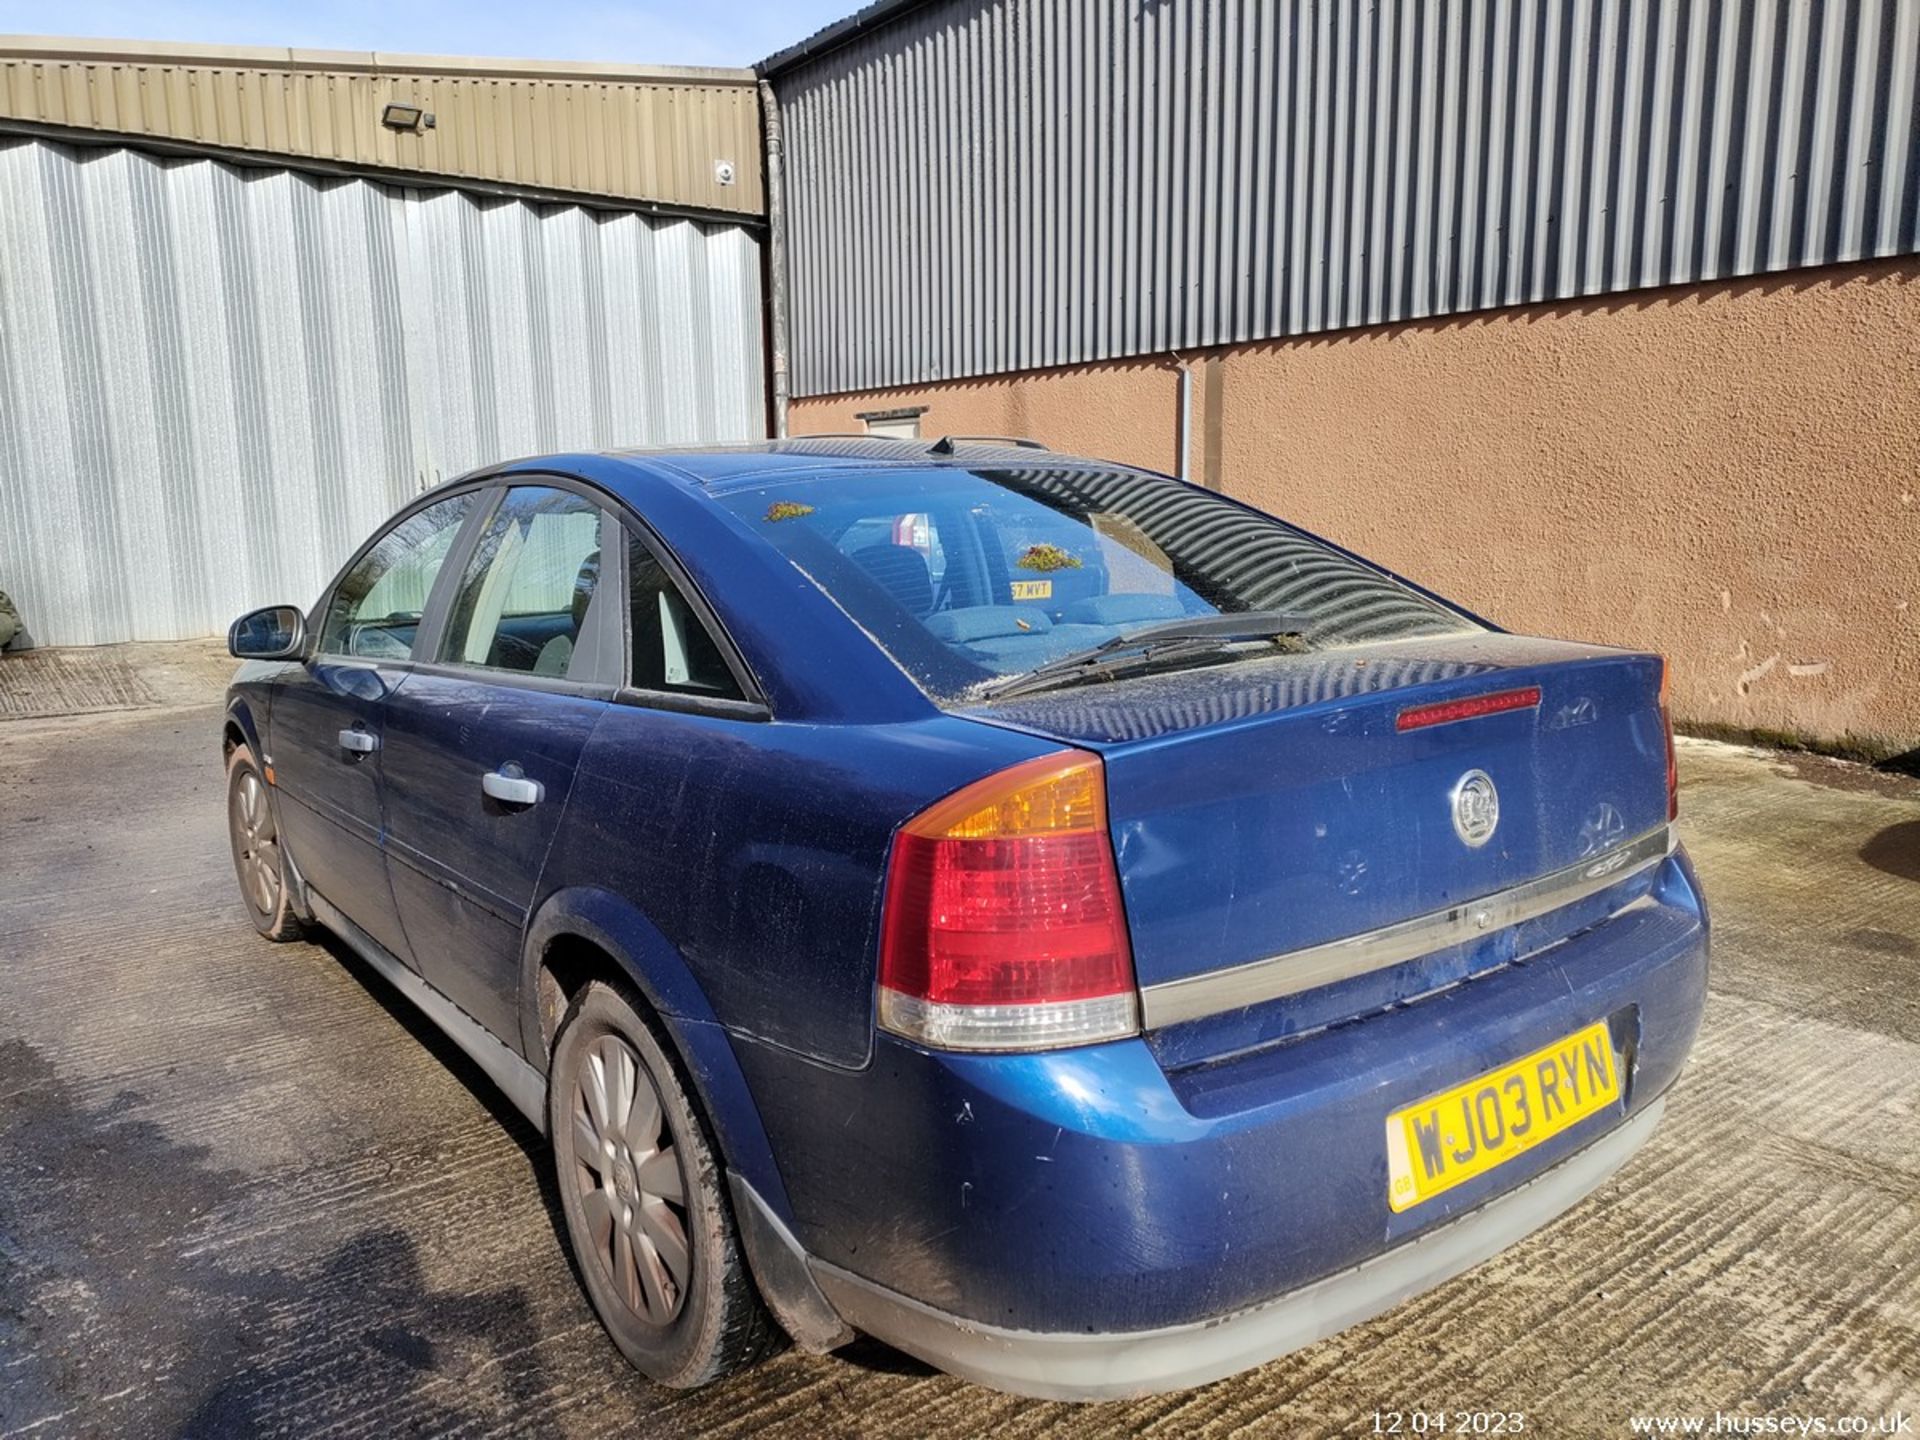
(969, 576)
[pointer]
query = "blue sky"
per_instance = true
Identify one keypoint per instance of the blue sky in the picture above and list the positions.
(664, 32)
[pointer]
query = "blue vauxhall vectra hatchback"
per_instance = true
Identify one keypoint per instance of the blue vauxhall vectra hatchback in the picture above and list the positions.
(1076, 928)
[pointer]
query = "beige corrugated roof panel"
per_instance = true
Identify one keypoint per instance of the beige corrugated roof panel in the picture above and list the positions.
(669, 137)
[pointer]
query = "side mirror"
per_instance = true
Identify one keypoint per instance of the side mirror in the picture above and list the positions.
(278, 632)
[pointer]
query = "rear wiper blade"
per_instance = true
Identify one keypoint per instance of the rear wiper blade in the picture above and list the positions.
(1238, 625)
(1169, 640)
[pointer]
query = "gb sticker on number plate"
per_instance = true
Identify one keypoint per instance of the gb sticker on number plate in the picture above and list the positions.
(1447, 1139)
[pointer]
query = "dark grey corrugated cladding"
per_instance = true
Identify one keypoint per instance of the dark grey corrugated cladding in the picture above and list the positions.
(829, 36)
(983, 186)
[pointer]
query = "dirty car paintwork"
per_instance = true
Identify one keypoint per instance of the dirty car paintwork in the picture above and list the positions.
(759, 851)
(1034, 1191)
(1141, 1183)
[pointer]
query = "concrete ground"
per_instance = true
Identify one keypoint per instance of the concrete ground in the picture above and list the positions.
(244, 1191)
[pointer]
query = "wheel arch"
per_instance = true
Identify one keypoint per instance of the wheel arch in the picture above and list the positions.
(239, 727)
(582, 934)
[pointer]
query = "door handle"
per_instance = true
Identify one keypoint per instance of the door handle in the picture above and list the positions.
(514, 789)
(359, 742)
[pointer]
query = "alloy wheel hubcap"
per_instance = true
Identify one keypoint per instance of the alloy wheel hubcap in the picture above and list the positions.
(256, 844)
(628, 1179)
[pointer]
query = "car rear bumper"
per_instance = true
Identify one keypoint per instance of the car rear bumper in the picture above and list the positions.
(1077, 1365)
(972, 1208)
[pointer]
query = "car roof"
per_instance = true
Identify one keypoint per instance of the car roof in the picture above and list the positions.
(712, 470)
(716, 468)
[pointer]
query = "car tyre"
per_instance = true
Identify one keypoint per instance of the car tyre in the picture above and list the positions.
(645, 1200)
(260, 864)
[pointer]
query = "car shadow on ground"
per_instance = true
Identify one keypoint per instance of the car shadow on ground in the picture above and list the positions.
(1895, 850)
(102, 1291)
(390, 1295)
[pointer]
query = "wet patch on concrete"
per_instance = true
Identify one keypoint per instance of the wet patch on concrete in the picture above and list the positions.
(1895, 780)
(38, 683)
(1884, 942)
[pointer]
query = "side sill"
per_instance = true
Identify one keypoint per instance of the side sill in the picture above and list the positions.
(525, 1086)
(780, 1270)
(1072, 1365)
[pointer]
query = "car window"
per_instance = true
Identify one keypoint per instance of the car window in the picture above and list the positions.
(672, 648)
(375, 610)
(524, 601)
(965, 576)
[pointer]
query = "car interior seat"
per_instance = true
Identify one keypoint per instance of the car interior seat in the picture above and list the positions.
(557, 654)
(902, 572)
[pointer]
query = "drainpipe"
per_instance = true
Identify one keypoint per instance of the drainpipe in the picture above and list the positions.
(776, 253)
(1183, 435)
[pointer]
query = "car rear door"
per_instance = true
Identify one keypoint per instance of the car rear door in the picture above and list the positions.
(327, 721)
(482, 742)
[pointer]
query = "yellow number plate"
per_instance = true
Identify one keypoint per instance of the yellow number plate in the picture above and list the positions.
(1033, 589)
(1449, 1138)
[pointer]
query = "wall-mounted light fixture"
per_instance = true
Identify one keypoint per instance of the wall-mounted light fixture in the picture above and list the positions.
(398, 116)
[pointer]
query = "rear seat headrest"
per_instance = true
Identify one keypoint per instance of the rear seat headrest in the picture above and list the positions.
(1123, 609)
(901, 571)
(987, 622)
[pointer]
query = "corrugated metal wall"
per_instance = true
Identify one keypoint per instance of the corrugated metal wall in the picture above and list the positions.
(214, 382)
(630, 132)
(986, 187)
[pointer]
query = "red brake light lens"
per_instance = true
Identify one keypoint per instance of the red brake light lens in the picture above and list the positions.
(1004, 927)
(1444, 712)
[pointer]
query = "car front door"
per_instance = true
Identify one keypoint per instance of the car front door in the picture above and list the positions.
(326, 720)
(482, 742)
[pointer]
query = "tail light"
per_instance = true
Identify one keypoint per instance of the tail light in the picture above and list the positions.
(1003, 927)
(1673, 765)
